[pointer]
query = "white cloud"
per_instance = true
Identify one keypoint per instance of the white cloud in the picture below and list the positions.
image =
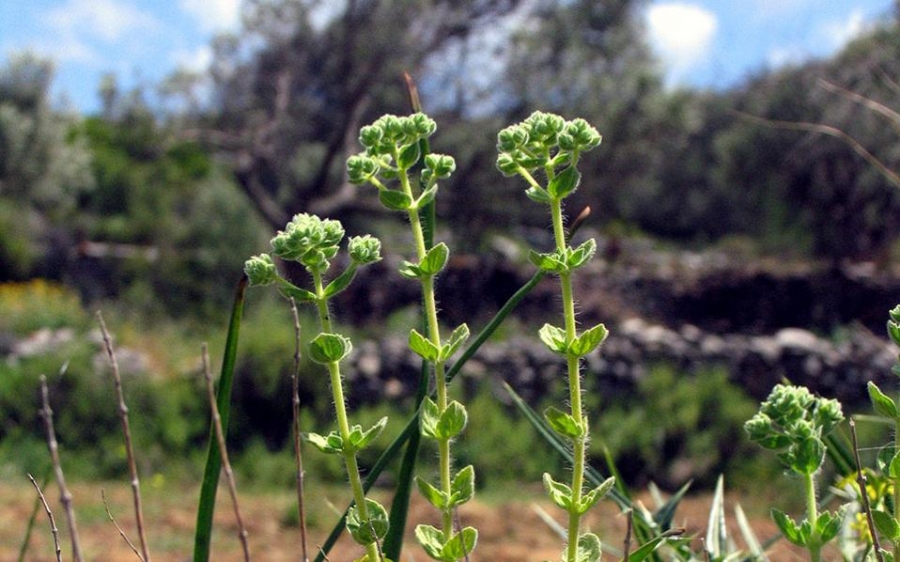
(839, 33)
(197, 60)
(107, 20)
(681, 34)
(214, 14)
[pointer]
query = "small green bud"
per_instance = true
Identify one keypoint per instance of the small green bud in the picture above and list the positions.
(260, 270)
(391, 127)
(566, 142)
(895, 314)
(370, 136)
(309, 240)
(364, 250)
(512, 138)
(585, 136)
(361, 168)
(424, 126)
(438, 166)
(507, 165)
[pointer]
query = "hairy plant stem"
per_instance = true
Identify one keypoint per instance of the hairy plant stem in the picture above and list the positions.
(340, 409)
(812, 514)
(896, 487)
(434, 334)
(572, 363)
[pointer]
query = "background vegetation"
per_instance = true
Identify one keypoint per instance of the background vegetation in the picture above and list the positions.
(149, 211)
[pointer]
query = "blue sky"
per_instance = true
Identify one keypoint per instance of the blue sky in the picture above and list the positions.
(705, 43)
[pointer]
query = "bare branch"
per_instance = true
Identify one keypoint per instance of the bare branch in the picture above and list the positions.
(118, 527)
(53, 528)
(892, 116)
(129, 448)
(226, 463)
(65, 497)
(295, 401)
(889, 174)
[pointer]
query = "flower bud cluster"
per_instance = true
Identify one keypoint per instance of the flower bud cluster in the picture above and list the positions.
(543, 141)
(793, 422)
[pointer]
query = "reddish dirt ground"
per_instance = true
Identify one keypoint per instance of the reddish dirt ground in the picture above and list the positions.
(510, 530)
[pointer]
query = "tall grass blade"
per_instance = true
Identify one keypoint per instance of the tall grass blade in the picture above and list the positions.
(716, 531)
(207, 504)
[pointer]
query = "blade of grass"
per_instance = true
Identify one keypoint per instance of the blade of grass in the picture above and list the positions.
(29, 529)
(207, 504)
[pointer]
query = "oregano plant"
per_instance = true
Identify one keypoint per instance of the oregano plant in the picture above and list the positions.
(406, 177)
(549, 147)
(314, 242)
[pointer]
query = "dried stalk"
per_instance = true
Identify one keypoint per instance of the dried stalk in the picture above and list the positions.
(226, 464)
(129, 449)
(65, 497)
(119, 528)
(53, 528)
(861, 481)
(295, 401)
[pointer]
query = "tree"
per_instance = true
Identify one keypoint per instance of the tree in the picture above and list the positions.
(292, 90)
(43, 170)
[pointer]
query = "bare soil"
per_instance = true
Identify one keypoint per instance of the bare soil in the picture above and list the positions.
(510, 528)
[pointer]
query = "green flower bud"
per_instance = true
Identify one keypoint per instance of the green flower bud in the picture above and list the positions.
(391, 127)
(566, 142)
(361, 168)
(364, 250)
(439, 166)
(512, 138)
(507, 165)
(260, 270)
(370, 136)
(585, 136)
(309, 240)
(424, 126)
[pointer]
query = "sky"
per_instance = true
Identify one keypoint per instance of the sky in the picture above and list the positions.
(700, 43)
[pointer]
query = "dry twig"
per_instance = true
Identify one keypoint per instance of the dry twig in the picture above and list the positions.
(118, 527)
(295, 401)
(226, 464)
(65, 497)
(53, 528)
(129, 449)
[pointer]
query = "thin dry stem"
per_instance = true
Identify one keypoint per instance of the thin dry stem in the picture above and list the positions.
(65, 497)
(226, 464)
(129, 449)
(889, 174)
(53, 528)
(629, 528)
(298, 454)
(892, 116)
(861, 481)
(119, 528)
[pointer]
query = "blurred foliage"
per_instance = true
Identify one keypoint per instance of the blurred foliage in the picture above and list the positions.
(700, 436)
(29, 306)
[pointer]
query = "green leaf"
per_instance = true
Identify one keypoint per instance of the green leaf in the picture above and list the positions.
(828, 525)
(560, 493)
(886, 524)
(340, 282)
(409, 270)
(409, 156)
(429, 416)
(434, 496)
(460, 545)
(589, 548)
(591, 498)
(582, 254)
(550, 263)
(563, 423)
(462, 489)
(435, 260)
(422, 346)
(808, 456)
(554, 338)
(427, 197)
(882, 403)
(457, 338)
(331, 444)
(296, 293)
(453, 421)
(894, 467)
(328, 348)
(588, 341)
(368, 531)
(395, 200)
(431, 539)
(359, 439)
(788, 527)
(564, 183)
(538, 195)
